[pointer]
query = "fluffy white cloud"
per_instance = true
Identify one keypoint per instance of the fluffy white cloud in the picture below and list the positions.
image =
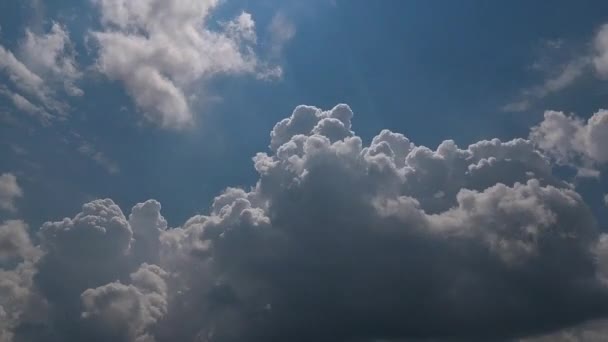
(161, 51)
(570, 140)
(42, 68)
(9, 191)
(337, 241)
(51, 56)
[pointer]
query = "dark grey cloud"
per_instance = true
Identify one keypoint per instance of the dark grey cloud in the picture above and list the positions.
(337, 241)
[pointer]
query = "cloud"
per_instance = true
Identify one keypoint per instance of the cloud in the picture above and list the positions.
(572, 141)
(600, 58)
(98, 157)
(123, 312)
(606, 199)
(43, 69)
(337, 241)
(565, 76)
(561, 75)
(24, 105)
(593, 331)
(17, 300)
(590, 332)
(163, 51)
(9, 192)
(15, 242)
(52, 57)
(281, 30)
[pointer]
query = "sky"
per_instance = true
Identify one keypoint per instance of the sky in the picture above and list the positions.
(324, 170)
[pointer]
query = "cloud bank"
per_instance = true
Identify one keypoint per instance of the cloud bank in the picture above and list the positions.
(336, 241)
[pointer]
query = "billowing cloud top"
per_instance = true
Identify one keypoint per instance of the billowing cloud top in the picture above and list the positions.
(571, 141)
(337, 241)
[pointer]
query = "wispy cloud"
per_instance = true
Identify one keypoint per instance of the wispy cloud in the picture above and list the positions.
(40, 72)
(281, 30)
(558, 75)
(557, 78)
(88, 150)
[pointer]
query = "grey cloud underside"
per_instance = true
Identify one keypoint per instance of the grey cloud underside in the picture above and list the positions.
(337, 241)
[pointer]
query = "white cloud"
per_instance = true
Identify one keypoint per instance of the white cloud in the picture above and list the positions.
(15, 243)
(52, 57)
(338, 239)
(606, 199)
(9, 191)
(43, 69)
(162, 52)
(572, 141)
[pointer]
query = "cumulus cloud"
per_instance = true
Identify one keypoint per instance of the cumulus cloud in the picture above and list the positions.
(9, 192)
(15, 242)
(40, 71)
(123, 312)
(570, 140)
(162, 52)
(336, 241)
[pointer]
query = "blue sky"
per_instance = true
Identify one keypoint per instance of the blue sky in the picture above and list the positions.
(177, 101)
(433, 70)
